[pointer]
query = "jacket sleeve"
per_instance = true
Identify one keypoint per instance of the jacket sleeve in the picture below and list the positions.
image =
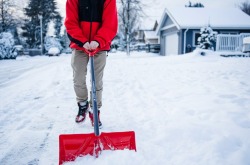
(109, 25)
(72, 23)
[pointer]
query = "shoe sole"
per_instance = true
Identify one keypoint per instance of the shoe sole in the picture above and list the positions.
(78, 122)
(82, 120)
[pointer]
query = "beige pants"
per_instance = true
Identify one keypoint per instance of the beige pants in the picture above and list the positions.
(79, 62)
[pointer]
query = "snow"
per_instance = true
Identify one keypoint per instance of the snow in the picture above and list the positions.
(246, 40)
(54, 51)
(186, 17)
(150, 35)
(187, 109)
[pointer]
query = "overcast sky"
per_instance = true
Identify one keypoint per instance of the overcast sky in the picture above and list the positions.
(158, 5)
(154, 8)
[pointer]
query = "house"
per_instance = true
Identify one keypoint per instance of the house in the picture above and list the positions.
(179, 27)
(148, 35)
(146, 39)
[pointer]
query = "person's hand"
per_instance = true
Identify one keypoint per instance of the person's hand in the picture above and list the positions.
(93, 45)
(86, 46)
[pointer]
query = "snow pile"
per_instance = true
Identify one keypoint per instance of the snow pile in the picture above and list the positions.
(204, 52)
(188, 109)
(53, 51)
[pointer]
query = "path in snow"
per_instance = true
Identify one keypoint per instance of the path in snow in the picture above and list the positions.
(184, 110)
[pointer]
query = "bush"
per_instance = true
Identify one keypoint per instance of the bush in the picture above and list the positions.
(7, 42)
(207, 38)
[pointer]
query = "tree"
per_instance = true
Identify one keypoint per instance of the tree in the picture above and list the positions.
(245, 6)
(48, 10)
(6, 15)
(130, 12)
(10, 18)
(50, 13)
(58, 25)
(31, 26)
(197, 4)
(207, 38)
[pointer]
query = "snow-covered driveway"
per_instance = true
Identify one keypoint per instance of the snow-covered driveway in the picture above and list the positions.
(184, 109)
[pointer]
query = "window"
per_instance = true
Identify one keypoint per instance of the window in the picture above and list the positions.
(196, 35)
(229, 32)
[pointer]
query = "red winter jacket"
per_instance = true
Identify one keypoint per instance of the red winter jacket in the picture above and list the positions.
(91, 20)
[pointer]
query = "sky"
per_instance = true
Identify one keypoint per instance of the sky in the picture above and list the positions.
(154, 8)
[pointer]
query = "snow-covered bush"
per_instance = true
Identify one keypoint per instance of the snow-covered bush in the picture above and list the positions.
(53, 51)
(7, 46)
(207, 38)
(52, 42)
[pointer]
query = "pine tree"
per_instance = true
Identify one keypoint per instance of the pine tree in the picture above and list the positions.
(46, 9)
(197, 4)
(58, 25)
(31, 26)
(207, 38)
(245, 6)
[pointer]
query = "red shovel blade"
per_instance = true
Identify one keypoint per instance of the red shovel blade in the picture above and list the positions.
(73, 145)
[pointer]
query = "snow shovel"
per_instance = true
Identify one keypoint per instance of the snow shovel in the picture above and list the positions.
(72, 146)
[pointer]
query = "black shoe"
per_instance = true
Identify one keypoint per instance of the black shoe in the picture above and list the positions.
(91, 116)
(83, 108)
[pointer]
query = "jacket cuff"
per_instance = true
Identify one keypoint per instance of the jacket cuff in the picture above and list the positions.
(100, 42)
(79, 43)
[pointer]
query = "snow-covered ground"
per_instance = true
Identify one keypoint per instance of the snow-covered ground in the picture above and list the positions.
(188, 109)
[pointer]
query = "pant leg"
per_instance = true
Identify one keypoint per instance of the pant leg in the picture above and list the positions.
(99, 63)
(79, 62)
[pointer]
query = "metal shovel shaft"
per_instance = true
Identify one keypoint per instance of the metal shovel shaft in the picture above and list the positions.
(94, 101)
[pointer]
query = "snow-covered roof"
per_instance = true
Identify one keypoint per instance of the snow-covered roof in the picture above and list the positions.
(221, 18)
(150, 35)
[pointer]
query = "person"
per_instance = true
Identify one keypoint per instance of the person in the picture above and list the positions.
(90, 25)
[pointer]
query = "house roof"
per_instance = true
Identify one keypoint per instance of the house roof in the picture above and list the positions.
(149, 24)
(219, 18)
(150, 35)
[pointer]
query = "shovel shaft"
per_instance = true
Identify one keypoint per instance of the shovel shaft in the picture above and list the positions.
(94, 101)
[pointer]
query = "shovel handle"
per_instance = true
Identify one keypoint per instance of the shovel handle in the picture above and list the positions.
(93, 91)
(91, 53)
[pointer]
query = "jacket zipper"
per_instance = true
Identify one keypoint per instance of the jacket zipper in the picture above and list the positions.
(91, 15)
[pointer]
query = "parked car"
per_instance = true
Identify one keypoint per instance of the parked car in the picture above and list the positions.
(54, 51)
(18, 49)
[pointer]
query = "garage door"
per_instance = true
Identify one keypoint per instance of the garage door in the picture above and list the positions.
(171, 44)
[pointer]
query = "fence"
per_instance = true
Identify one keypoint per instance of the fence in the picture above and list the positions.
(229, 42)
